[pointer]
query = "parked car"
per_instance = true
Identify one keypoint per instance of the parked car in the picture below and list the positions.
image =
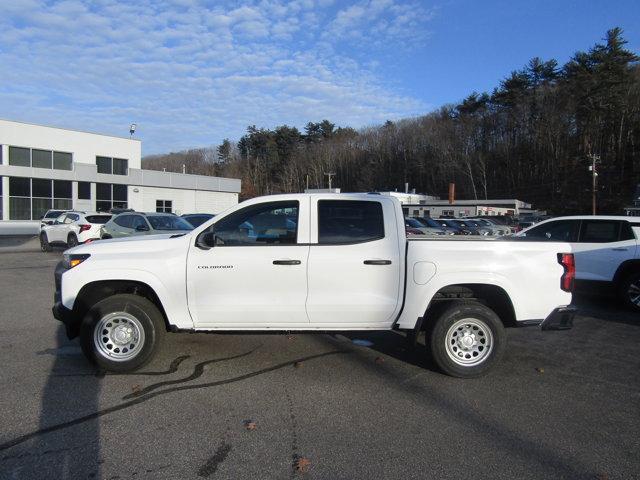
(606, 252)
(72, 228)
(432, 231)
(197, 219)
(450, 223)
(50, 216)
(496, 228)
(410, 231)
(471, 226)
(316, 262)
(136, 223)
(431, 223)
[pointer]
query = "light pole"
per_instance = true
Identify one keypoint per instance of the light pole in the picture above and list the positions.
(595, 159)
(330, 175)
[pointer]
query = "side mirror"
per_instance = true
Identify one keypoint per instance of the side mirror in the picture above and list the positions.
(206, 240)
(142, 228)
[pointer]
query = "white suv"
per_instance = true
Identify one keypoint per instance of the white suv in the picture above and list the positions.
(605, 248)
(72, 228)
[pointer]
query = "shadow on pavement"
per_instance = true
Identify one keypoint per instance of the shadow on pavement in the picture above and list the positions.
(70, 453)
(606, 308)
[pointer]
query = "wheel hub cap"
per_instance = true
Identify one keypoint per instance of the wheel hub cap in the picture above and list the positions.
(469, 342)
(118, 336)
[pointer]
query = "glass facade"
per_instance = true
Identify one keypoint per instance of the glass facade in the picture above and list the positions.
(110, 196)
(30, 198)
(36, 158)
(114, 166)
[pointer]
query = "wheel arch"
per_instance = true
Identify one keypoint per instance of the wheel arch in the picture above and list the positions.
(625, 269)
(93, 292)
(492, 296)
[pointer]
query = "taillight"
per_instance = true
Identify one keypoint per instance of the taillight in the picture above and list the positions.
(569, 275)
(84, 228)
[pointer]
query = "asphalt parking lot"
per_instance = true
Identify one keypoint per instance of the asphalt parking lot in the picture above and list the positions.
(315, 406)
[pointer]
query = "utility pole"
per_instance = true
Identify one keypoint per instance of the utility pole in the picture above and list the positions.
(330, 175)
(595, 159)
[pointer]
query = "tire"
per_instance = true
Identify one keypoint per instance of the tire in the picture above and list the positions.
(72, 240)
(106, 237)
(629, 291)
(45, 246)
(122, 333)
(466, 339)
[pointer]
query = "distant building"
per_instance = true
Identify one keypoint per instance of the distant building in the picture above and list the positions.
(468, 208)
(44, 168)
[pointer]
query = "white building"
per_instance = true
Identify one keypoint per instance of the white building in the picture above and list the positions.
(46, 168)
(468, 208)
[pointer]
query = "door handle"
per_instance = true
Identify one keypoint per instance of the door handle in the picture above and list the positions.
(287, 262)
(620, 249)
(377, 262)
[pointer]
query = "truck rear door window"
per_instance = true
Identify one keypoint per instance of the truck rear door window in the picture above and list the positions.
(559, 231)
(349, 221)
(599, 231)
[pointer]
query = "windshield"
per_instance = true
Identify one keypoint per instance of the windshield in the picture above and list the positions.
(432, 223)
(168, 222)
(197, 220)
(412, 222)
(54, 214)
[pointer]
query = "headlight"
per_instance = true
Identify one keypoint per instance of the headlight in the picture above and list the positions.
(73, 260)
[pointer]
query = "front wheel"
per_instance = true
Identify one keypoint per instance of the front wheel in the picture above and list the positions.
(121, 333)
(72, 240)
(45, 246)
(467, 340)
(629, 290)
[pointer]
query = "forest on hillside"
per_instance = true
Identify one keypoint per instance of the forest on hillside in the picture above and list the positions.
(531, 139)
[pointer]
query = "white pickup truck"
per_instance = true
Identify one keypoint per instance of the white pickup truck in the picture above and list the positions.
(312, 262)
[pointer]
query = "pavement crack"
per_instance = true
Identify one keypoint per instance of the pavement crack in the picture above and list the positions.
(197, 373)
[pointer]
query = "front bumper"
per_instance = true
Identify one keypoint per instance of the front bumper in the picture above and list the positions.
(60, 312)
(560, 319)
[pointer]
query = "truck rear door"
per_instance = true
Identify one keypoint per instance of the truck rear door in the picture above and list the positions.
(355, 268)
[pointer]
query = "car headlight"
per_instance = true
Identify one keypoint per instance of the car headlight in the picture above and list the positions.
(73, 260)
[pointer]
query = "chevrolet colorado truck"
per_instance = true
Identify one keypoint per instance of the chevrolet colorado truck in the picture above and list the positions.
(312, 262)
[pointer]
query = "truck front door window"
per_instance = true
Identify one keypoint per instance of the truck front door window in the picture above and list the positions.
(265, 224)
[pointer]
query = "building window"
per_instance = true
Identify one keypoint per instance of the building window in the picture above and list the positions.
(164, 206)
(41, 158)
(448, 213)
(112, 166)
(84, 191)
(62, 161)
(110, 196)
(36, 158)
(20, 157)
(29, 199)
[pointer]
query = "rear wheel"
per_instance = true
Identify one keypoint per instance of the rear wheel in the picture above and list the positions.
(121, 333)
(467, 339)
(72, 240)
(45, 246)
(629, 291)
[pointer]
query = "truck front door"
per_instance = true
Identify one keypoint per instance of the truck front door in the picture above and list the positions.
(249, 269)
(355, 268)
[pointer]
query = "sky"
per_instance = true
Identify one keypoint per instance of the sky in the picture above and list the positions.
(190, 73)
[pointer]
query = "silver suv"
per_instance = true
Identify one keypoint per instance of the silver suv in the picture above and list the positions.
(136, 223)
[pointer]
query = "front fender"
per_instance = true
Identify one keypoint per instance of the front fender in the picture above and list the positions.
(174, 302)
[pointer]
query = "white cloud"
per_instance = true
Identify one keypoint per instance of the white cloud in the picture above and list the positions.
(191, 75)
